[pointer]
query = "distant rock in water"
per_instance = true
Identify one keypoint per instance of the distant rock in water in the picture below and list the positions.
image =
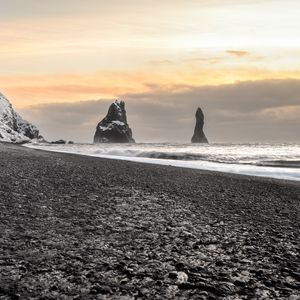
(59, 142)
(13, 128)
(199, 136)
(114, 127)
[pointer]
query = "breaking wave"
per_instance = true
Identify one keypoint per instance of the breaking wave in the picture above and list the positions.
(268, 160)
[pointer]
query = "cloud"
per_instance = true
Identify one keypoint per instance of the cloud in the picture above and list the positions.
(238, 53)
(162, 62)
(27, 89)
(253, 111)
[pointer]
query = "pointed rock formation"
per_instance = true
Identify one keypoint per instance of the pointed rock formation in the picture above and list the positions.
(114, 127)
(199, 136)
(13, 128)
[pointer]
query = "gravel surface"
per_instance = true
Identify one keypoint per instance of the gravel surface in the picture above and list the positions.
(75, 227)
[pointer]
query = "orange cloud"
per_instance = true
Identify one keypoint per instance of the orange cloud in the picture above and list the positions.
(238, 53)
(289, 112)
(25, 90)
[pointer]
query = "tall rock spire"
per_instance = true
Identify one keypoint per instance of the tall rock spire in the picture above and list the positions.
(199, 136)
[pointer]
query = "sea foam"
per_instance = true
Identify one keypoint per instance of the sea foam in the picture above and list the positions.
(280, 161)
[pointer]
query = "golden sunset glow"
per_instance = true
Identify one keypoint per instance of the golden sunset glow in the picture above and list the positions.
(70, 51)
(42, 88)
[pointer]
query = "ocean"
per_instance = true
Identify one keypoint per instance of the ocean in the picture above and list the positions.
(267, 160)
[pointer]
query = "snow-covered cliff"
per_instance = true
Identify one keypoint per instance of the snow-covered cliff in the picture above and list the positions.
(13, 128)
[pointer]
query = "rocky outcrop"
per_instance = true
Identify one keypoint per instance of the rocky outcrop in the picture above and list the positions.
(59, 142)
(114, 127)
(13, 128)
(199, 136)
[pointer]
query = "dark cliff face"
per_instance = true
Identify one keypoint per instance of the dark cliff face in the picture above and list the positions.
(199, 136)
(114, 127)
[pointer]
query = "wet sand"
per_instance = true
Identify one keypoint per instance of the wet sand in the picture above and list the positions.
(75, 227)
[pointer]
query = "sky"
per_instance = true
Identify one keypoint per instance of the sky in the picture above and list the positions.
(64, 61)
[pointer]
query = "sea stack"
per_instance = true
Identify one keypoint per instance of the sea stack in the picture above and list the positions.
(13, 128)
(114, 127)
(199, 136)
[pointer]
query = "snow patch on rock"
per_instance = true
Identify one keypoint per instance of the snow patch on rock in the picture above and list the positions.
(114, 127)
(13, 128)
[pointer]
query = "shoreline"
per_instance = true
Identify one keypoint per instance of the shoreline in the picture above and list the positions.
(286, 174)
(88, 228)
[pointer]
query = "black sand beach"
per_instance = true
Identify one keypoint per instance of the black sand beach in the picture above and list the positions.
(74, 227)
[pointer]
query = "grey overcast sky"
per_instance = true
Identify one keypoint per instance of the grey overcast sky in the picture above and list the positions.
(262, 111)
